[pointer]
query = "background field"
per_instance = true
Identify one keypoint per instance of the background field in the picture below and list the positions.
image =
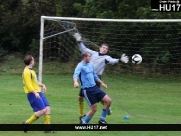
(152, 98)
(145, 100)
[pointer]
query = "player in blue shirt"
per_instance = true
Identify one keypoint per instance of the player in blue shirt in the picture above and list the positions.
(99, 60)
(92, 93)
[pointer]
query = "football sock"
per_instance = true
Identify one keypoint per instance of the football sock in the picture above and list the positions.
(47, 118)
(81, 107)
(103, 115)
(86, 119)
(32, 119)
(47, 121)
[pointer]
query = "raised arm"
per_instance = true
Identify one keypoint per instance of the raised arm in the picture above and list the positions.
(81, 46)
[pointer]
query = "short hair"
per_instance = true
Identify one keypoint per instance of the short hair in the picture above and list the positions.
(27, 59)
(84, 54)
(105, 44)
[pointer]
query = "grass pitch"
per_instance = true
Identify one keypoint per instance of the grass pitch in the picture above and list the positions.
(148, 101)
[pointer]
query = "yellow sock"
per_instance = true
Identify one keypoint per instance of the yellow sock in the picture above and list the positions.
(32, 119)
(81, 107)
(47, 119)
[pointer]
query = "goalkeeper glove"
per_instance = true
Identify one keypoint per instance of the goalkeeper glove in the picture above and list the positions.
(78, 37)
(124, 58)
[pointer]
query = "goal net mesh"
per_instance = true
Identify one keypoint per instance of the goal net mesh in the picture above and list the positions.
(147, 85)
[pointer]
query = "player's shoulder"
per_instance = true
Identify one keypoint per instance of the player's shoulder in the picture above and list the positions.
(107, 56)
(95, 53)
(80, 64)
(90, 63)
(26, 70)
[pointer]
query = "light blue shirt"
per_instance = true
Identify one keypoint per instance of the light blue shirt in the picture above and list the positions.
(86, 73)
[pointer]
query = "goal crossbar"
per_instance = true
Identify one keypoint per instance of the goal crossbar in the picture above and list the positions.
(110, 20)
(43, 18)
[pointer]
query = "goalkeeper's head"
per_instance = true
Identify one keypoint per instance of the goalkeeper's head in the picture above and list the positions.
(103, 48)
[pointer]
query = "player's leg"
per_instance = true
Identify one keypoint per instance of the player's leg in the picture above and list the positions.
(33, 118)
(91, 101)
(99, 85)
(38, 108)
(107, 102)
(81, 105)
(47, 118)
(101, 96)
(47, 107)
(90, 114)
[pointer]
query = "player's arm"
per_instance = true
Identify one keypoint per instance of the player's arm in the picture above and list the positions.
(76, 75)
(83, 48)
(99, 80)
(43, 86)
(110, 60)
(102, 83)
(76, 84)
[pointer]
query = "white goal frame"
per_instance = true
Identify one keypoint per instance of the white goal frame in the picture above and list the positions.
(43, 18)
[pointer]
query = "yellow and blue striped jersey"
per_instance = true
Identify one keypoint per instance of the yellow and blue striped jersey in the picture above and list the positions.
(30, 81)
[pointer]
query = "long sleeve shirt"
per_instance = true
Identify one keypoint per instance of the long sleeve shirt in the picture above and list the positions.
(99, 60)
(30, 81)
(86, 73)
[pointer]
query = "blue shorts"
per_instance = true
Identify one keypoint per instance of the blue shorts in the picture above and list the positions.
(93, 95)
(37, 104)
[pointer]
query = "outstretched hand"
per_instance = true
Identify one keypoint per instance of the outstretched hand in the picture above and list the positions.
(124, 58)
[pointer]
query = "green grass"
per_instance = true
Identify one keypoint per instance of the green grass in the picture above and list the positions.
(150, 100)
(147, 102)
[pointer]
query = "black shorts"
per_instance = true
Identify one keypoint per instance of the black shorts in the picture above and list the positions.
(93, 95)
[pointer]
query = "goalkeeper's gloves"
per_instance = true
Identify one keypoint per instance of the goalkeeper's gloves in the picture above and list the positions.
(78, 37)
(124, 58)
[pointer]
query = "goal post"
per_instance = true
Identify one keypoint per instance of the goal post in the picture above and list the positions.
(129, 33)
(40, 68)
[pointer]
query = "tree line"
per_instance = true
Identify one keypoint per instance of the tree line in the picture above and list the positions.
(20, 21)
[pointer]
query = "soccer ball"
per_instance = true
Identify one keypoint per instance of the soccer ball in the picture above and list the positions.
(136, 59)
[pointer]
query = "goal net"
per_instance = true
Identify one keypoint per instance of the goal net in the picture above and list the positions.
(148, 90)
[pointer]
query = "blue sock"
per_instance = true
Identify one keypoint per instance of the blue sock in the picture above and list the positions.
(103, 115)
(86, 119)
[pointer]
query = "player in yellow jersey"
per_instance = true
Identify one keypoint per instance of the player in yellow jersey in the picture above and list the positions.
(35, 97)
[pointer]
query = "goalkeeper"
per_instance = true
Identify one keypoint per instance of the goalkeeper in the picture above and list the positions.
(99, 60)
